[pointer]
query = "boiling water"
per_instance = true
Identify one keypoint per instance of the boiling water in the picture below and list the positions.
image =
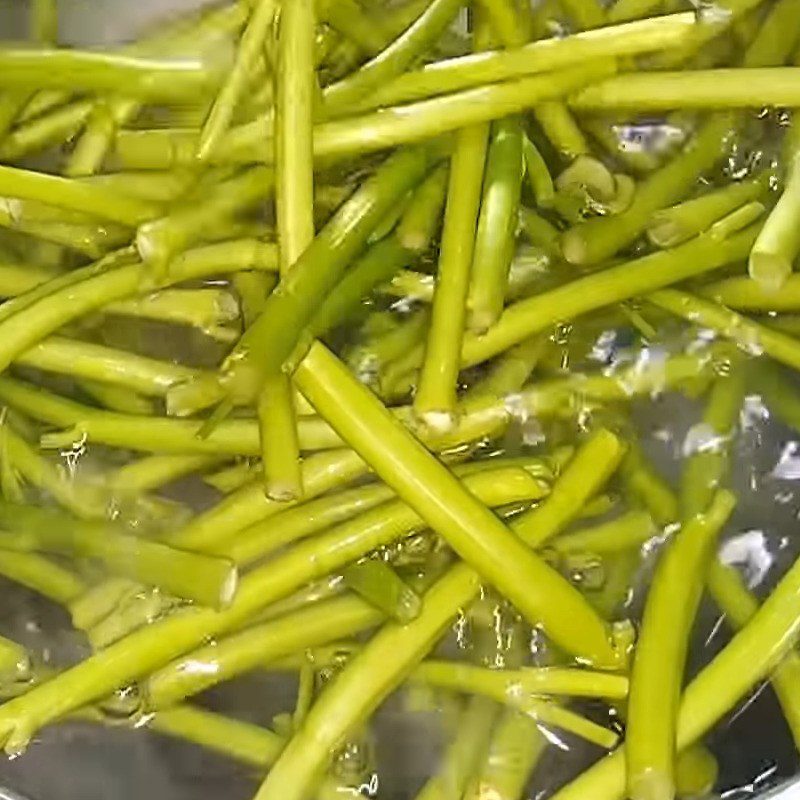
(81, 761)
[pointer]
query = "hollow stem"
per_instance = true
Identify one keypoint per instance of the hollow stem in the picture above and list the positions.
(751, 336)
(696, 89)
(230, 94)
(495, 66)
(209, 581)
(405, 465)
(497, 222)
(705, 470)
(778, 244)
(435, 400)
(675, 225)
(661, 652)
(590, 292)
(595, 240)
(257, 646)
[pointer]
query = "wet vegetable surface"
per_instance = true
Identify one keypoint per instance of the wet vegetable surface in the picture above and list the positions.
(398, 399)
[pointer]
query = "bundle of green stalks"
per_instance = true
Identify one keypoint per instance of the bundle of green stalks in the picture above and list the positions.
(393, 281)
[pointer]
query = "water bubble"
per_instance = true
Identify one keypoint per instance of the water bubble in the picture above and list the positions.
(604, 348)
(702, 438)
(561, 333)
(751, 551)
(648, 137)
(712, 13)
(788, 465)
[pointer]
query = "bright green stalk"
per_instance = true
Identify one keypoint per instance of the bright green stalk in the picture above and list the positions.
(42, 132)
(465, 72)
(369, 677)
(294, 157)
(116, 398)
(747, 659)
(631, 530)
(160, 240)
(93, 287)
(41, 575)
(206, 309)
(410, 239)
(745, 294)
(587, 471)
(731, 13)
(105, 364)
(746, 333)
(739, 605)
(561, 129)
(74, 195)
(247, 55)
(538, 174)
(347, 17)
(693, 89)
(516, 746)
(501, 18)
(228, 479)
(296, 85)
(127, 660)
(659, 664)
(360, 687)
(154, 645)
(101, 601)
(313, 516)
(152, 434)
(696, 772)
(253, 289)
(256, 646)
(105, 73)
(675, 225)
(380, 586)
(432, 491)
(153, 472)
(371, 357)
(354, 538)
(776, 37)
(511, 686)
(707, 467)
(436, 397)
(271, 339)
(10, 106)
(590, 292)
(242, 741)
(363, 85)
(595, 240)
(389, 127)
(510, 372)
(280, 446)
(14, 662)
(464, 753)
(738, 220)
(98, 135)
(646, 486)
(91, 240)
(778, 244)
(495, 238)
(212, 530)
(538, 231)
(204, 579)
(779, 394)
(160, 187)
